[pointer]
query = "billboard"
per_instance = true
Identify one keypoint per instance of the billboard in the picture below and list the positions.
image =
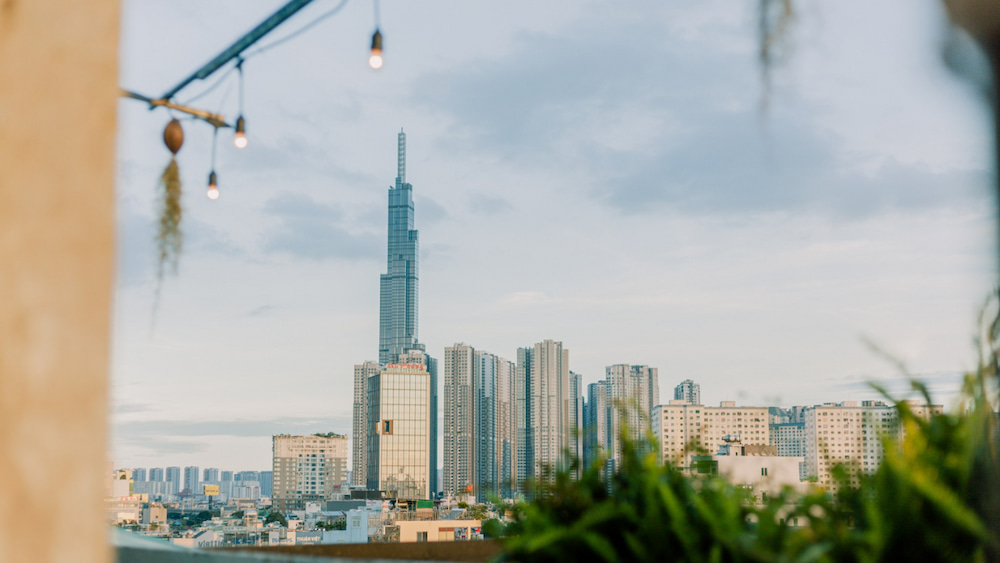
(211, 490)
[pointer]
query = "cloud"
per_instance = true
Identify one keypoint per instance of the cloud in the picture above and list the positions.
(678, 127)
(314, 230)
(489, 205)
(260, 311)
(428, 210)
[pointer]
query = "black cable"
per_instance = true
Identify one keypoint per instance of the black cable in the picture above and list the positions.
(297, 32)
(210, 88)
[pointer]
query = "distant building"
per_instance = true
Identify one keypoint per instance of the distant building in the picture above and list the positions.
(547, 428)
(459, 419)
(851, 435)
(755, 468)
(398, 290)
(139, 474)
(683, 430)
(306, 468)
(192, 480)
(398, 451)
(359, 446)
(173, 476)
(688, 391)
(156, 474)
(494, 428)
(210, 474)
(267, 483)
(632, 392)
(226, 476)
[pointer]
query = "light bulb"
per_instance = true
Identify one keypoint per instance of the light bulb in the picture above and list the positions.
(240, 140)
(375, 60)
(213, 186)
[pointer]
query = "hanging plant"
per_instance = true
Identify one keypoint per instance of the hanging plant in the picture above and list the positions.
(169, 238)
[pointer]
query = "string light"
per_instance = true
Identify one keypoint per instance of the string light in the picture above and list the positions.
(240, 140)
(213, 186)
(375, 60)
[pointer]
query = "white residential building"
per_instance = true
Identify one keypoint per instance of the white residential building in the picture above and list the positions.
(306, 468)
(682, 430)
(851, 435)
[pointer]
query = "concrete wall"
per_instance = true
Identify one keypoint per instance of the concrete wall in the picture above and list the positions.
(408, 529)
(58, 92)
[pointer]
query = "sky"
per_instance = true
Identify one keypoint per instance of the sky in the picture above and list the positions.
(613, 176)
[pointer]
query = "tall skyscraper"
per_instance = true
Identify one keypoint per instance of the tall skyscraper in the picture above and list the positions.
(398, 345)
(139, 474)
(210, 474)
(306, 468)
(688, 391)
(156, 474)
(398, 289)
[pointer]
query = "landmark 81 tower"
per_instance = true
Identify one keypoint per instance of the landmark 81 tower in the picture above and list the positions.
(398, 303)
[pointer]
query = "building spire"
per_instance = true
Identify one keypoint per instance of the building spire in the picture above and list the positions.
(401, 158)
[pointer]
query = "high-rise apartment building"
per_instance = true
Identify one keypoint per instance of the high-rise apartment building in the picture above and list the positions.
(480, 422)
(688, 391)
(139, 474)
(683, 430)
(494, 434)
(548, 427)
(359, 446)
(398, 452)
(398, 289)
(632, 392)
(267, 482)
(156, 474)
(173, 476)
(851, 435)
(458, 471)
(575, 416)
(210, 474)
(191, 480)
(306, 468)
(225, 476)
(597, 414)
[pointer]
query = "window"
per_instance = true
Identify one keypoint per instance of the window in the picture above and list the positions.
(421, 536)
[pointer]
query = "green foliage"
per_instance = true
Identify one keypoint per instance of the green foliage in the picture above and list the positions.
(462, 504)
(276, 517)
(338, 525)
(238, 514)
(476, 512)
(934, 498)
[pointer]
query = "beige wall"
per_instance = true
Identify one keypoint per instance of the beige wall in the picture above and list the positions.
(408, 529)
(58, 89)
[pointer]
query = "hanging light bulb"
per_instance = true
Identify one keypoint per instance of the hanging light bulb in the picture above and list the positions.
(213, 186)
(375, 60)
(240, 140)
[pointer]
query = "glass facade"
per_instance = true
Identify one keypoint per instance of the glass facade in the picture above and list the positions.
(398, 287)
(399, 447)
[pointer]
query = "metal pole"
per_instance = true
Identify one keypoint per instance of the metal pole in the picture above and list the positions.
(215, 119)
(241, 44)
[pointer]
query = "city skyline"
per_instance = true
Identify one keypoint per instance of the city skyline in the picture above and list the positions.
(627, 199)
